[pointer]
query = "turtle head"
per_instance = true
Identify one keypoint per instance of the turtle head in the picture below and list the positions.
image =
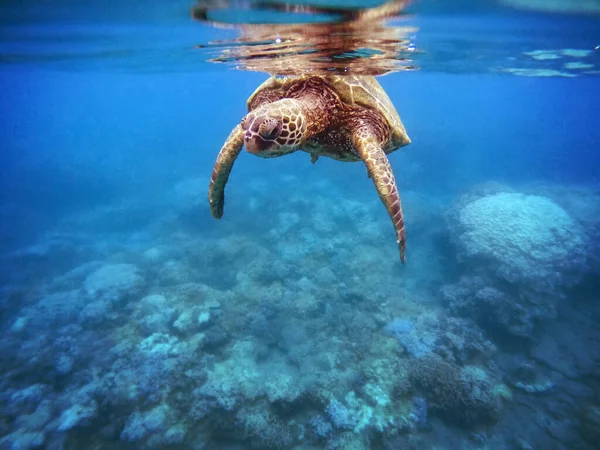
(274, 129)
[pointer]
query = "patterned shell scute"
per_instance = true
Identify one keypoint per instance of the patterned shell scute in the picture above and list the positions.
(366, 91)
(273, 83)
(355, 90)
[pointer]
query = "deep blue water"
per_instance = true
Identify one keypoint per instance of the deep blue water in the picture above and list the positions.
(130, 318)
(65, 137)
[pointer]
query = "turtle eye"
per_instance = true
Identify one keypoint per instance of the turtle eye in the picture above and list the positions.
(274, 132)
(270, 129)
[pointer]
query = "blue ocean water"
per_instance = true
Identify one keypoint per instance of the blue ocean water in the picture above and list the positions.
(130, 318)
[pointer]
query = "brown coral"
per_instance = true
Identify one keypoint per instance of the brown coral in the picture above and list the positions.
(453, 393)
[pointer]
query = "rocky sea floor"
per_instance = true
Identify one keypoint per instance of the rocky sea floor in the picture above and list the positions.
(292, 324)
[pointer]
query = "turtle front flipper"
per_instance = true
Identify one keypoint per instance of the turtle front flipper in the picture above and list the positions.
(380, 171)
(220, 174)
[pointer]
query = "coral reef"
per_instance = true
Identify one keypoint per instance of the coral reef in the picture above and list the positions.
(452, 338)
(276, 337)
(465, 395)
(526, 239)
(520, 253)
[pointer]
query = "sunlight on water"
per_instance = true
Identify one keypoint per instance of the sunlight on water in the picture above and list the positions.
(297, 37)
(350, 41)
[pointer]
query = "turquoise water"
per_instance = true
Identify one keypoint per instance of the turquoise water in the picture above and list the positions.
(130, 318)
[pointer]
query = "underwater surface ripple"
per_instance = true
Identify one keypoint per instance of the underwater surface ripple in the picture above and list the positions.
(129, 318)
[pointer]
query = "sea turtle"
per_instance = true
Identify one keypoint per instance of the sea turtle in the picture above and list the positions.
(348, 118)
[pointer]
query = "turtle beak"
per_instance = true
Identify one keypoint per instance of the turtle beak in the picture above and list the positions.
(255, 144)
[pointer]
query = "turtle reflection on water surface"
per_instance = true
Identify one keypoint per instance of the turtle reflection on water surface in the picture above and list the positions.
(348, 118)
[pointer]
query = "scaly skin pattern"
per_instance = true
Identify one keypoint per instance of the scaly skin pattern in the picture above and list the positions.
(222, 168)
(380, 171)
(287, 114)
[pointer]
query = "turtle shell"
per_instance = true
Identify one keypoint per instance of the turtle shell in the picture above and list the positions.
(277, 87)
(361, 90)
(354, 90)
